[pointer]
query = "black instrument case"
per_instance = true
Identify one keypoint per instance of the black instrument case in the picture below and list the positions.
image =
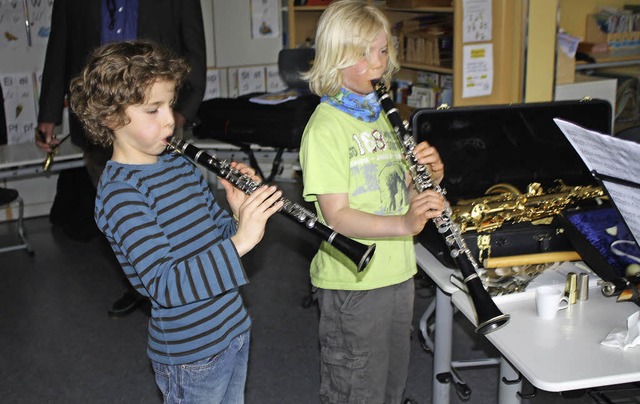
(240, 121)
(514, 144)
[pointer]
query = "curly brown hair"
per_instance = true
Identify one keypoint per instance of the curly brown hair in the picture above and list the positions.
(116, 76)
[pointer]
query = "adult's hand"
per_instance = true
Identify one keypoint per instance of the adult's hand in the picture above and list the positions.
(45, 139)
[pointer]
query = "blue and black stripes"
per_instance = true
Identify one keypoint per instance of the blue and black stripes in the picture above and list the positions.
(172, 240)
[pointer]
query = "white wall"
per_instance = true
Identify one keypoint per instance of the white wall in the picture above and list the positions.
(234, 45)
(207, 18)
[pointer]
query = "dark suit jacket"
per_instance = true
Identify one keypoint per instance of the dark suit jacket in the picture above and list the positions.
(75, 32)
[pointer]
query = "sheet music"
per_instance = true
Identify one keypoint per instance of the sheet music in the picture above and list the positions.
(611, 157)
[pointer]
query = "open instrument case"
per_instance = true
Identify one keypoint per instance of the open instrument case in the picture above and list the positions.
(516, 145)
(596, 234)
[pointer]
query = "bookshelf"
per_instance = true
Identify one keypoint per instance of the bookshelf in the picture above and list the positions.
(303, 21)
(574, 16)
(507, 39)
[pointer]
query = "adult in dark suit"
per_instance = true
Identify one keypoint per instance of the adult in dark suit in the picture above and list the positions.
(77, 28)
(76, 31)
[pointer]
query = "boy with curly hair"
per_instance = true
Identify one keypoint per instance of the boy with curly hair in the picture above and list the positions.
(175, 243)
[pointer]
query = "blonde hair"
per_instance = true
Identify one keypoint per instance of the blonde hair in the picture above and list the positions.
(116, 76)
(346, 30)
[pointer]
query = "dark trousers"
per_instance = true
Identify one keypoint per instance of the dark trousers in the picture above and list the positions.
(365, 343)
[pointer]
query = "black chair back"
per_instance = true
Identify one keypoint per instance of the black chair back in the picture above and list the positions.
(292, 63)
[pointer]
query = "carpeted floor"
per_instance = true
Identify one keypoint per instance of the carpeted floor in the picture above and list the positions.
(58, 345)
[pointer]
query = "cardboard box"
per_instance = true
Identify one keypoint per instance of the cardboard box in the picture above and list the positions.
(565, 68)
(419, 3)
(593, 47)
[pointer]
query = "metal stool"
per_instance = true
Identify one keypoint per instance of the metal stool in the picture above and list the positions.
(8, 196)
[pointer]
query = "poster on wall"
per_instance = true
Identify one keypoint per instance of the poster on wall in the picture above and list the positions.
(24, 23)
(477, 70)
(18, 92)
(265, 19)
(39, 14)
(477, 21)
(274, 81)
(212, 88)
(13, 24)
(251, 80)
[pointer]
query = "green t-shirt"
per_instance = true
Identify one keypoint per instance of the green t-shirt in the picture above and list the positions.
(341, 154)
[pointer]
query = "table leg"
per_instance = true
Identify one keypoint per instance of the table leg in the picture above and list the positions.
(442, 347)
(510, 384)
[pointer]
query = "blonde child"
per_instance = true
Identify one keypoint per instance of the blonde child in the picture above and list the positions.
(175, 244)
(354, 173)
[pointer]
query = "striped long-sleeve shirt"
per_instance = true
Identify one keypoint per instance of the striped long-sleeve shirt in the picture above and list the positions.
(172, 240)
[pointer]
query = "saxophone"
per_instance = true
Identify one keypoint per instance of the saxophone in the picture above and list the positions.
(489, 316)
(505, 203)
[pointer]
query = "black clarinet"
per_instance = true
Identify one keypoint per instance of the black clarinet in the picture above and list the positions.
(489, 316)
(357, 252)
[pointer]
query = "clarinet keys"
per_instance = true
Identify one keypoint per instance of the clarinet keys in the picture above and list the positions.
(360, 254)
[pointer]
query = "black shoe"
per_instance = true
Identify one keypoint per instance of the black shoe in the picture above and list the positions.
(125, 305)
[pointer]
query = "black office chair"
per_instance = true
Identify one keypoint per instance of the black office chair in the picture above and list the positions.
(293, 62)
(8, 197)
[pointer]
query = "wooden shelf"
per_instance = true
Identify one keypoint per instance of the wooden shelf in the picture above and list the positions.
(614, 58)
(309, 8)
(420, 9)
(429, 68)
(385, 8)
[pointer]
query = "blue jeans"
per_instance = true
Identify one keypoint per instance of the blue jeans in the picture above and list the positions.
(217, 379)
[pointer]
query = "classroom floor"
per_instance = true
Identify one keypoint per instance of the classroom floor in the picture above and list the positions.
(58, 345)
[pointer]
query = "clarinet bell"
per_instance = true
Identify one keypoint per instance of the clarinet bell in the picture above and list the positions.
(363, 259)
(495, 322)
(489, 316)
(360, 254)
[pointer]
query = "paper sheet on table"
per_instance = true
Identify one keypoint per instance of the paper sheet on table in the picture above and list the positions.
(274, 98)
(612, 157)
(624, 338)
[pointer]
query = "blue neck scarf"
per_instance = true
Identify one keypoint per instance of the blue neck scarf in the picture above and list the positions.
(365, 108)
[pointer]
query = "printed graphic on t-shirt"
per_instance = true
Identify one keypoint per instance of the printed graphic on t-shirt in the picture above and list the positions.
(377, 168)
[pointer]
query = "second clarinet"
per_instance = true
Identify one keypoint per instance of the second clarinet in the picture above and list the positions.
(489, 316)
(357, 252)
